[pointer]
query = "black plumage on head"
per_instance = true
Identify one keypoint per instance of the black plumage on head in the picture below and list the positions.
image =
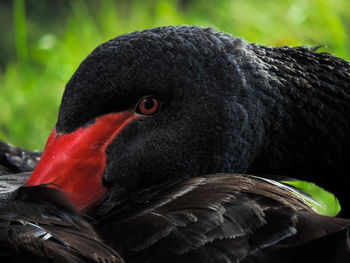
(226, 106)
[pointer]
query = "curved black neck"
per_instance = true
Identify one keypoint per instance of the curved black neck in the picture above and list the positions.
(307, 128)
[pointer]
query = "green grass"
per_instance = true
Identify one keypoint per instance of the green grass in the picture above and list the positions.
(31, 85)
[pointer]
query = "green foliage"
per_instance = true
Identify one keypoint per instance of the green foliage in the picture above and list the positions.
(20, 30)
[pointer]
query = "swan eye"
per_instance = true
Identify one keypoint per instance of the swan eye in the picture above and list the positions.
(148, 105)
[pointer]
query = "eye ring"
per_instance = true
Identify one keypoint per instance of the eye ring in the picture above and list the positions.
(148, 105)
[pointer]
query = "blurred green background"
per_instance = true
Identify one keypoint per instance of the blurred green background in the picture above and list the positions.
(43, 41)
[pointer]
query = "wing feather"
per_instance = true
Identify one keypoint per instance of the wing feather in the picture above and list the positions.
(219, 218)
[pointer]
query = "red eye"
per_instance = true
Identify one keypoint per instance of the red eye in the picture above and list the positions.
(148, 105)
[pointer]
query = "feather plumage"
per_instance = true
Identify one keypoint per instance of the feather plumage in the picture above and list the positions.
(219, 218)
(44, 228)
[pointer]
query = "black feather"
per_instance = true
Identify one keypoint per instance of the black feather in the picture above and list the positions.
(47, 230)
(220, 218)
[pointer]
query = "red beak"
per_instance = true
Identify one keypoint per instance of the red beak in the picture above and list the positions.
(75, 162)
